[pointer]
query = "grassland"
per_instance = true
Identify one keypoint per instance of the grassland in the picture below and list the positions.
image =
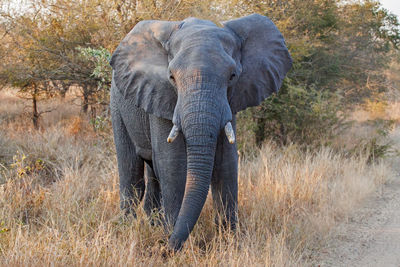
(59, 199)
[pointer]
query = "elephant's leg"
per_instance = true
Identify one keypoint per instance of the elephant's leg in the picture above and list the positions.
(169, 165)
(130, 167)
(152, 198)
(224, 182)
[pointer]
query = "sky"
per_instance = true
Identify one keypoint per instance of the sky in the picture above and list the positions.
(392, 5)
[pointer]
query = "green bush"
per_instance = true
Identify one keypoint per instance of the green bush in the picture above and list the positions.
(304, 116)
(378, 144)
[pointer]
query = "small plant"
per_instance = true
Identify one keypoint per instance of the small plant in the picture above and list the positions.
(375, 150)
(377, 146)
(3, 228)
(100, 123)
(24, 166)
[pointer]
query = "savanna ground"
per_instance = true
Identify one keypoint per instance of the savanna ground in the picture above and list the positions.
(59, 197)
(370, 236)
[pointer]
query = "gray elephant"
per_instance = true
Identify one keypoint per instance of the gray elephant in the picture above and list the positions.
(175, 91)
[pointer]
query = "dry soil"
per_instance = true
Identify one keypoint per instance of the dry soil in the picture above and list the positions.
(370, 237)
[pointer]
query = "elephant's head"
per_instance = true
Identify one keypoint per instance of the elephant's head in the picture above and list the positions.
(197, 75)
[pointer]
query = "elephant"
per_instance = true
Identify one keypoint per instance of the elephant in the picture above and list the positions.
(176, 89)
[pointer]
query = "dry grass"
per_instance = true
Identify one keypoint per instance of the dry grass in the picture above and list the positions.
(393, 111)
(59, 204)
(15, 113)
(378, 110)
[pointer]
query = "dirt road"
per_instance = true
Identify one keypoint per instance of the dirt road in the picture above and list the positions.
(371, 237)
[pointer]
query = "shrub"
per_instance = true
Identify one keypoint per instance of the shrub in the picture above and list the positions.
(377, 145)
(376, 107)
(296, 114)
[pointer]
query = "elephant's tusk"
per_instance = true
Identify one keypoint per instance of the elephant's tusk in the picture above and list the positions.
(173, 134)
(230, 133)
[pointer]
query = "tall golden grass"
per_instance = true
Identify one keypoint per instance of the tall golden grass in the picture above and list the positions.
(59, 203)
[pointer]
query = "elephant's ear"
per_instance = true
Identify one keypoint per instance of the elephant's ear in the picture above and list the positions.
(265, 60)
(140, 67)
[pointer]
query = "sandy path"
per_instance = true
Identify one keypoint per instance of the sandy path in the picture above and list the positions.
(372, 236)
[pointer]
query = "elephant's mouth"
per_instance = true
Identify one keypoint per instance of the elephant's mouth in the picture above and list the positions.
(228, 129)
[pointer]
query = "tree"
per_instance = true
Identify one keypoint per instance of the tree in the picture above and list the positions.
(340, 51)
(46, 38)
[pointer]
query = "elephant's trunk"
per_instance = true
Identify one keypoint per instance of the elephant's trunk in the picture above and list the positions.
(200, 161)
(202, 117)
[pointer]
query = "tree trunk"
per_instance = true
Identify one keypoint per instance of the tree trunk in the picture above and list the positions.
(85, 103)
(283, 134)
(35, 113)
(260, 131)
(64, 89)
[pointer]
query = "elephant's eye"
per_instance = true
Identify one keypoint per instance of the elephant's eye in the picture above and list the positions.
(172, 79)
(232, 76)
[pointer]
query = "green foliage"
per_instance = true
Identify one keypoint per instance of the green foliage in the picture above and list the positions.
(295, 115)
(100, 59)
(101, 124)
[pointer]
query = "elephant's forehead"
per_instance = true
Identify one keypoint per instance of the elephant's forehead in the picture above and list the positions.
(195, 21)
(202, 34)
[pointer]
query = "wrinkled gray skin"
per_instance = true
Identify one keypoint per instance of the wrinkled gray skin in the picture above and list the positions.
(197, 76)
